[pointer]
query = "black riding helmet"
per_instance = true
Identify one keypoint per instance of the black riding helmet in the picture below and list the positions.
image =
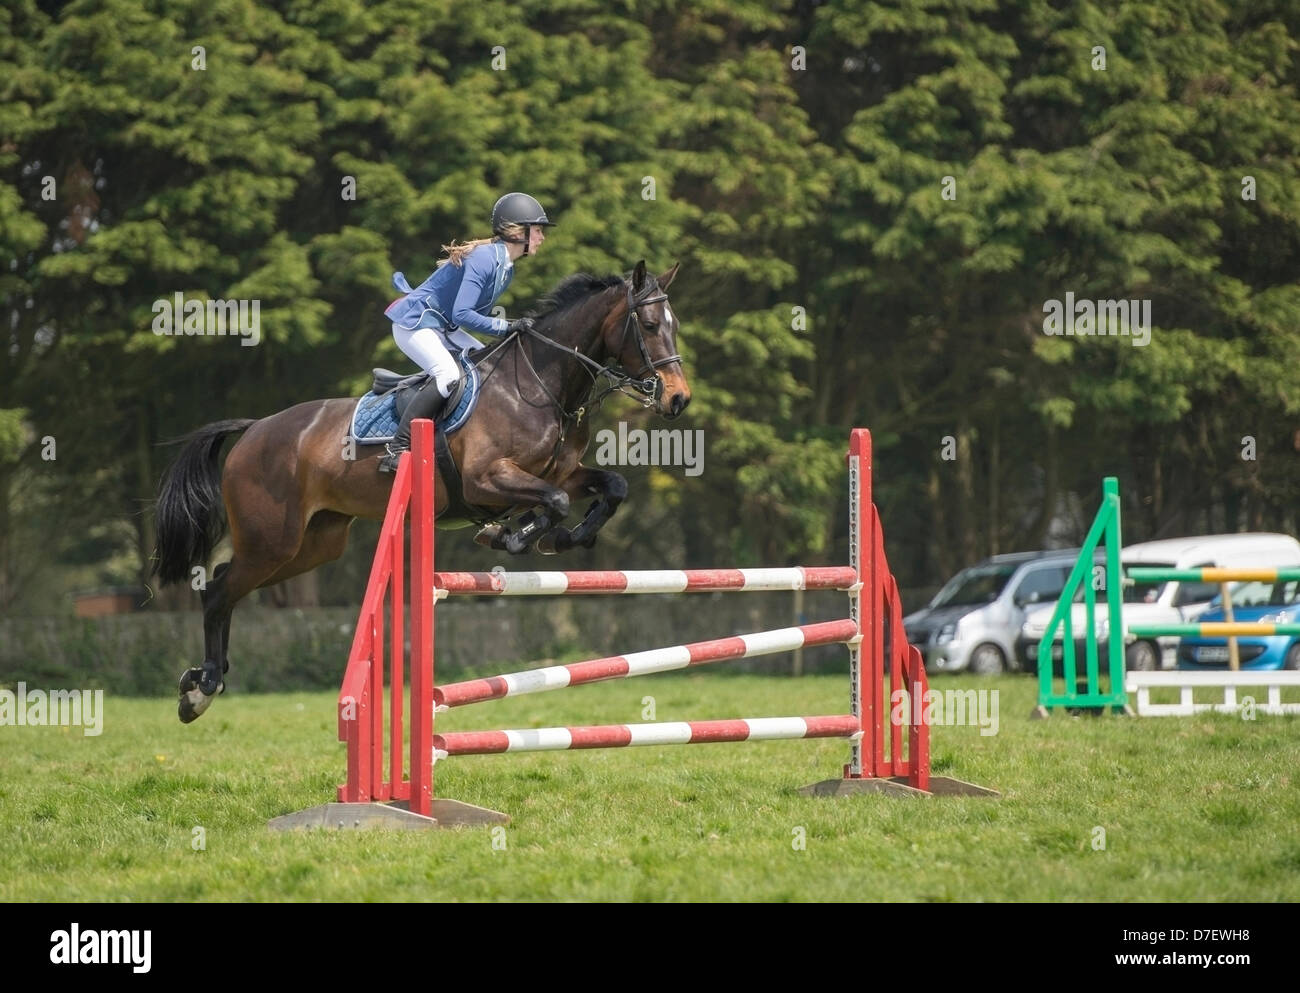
(518, 208)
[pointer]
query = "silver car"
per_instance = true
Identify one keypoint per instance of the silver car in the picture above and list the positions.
(974, 621)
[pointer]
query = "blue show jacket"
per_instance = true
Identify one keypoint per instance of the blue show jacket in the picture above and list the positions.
(456, 296)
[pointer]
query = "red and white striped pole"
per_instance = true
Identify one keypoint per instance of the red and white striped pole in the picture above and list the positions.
(644, 581)
(625, 735)
(644, 663)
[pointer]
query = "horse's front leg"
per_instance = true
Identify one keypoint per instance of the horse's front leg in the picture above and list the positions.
(504, 483)
(610, 489)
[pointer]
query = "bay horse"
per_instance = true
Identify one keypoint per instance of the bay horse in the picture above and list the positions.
(294, 483)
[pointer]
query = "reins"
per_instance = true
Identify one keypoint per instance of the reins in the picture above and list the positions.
(645, 391)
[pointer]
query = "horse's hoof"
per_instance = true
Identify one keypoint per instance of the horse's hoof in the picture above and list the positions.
(187, 711)
(190, 679)
(590, 542)
(193, 701)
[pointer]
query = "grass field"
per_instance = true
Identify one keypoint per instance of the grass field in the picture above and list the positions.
(1192, 809)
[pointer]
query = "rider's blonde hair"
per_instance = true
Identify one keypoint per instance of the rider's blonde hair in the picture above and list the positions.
(457, 250)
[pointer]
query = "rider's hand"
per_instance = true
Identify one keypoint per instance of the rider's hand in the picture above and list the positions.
(524, 324)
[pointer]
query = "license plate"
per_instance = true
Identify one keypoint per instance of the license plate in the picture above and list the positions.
(1058, 651)
(1212, 654)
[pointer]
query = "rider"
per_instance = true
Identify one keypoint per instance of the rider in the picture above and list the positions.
(434, 316)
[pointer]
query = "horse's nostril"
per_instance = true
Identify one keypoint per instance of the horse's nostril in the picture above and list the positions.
(678, 404)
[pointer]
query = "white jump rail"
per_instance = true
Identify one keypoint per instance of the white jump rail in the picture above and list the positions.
(1142, 683)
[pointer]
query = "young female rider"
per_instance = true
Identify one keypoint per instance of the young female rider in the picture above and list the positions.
(455, 299)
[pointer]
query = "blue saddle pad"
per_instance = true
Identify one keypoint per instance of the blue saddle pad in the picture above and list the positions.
(375, 419)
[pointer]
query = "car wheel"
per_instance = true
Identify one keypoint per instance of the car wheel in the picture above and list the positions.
(1292, 661)
(1142, 656)
(987, 660)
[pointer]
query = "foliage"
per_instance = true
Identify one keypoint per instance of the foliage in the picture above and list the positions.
(799, 155)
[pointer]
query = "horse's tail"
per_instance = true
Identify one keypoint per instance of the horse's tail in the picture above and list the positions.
(188, 517)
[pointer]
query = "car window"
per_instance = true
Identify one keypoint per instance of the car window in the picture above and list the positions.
(1195, 593)
(978, 584)
(1041, 585)
(1136, 592)
(1265, 594)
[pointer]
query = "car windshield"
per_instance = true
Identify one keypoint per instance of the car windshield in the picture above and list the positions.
(1266, 594)
(978, 584)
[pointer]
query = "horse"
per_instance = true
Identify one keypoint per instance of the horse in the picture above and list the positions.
(294, 482)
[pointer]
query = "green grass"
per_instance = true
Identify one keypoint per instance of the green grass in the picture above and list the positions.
(1201, 808)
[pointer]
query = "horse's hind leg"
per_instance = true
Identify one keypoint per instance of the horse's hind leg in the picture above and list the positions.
(324, 540)
(230, 583)
(216, 627)
(262, 547)
(216, 638)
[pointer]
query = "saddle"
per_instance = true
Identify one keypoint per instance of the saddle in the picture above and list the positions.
(386, 381)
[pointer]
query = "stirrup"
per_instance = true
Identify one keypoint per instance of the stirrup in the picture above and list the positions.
(390, 460)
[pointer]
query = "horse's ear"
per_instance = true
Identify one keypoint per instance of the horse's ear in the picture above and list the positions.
(638, 277)
(666, 279)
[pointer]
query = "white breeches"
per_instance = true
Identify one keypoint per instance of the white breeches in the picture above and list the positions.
(427, 348)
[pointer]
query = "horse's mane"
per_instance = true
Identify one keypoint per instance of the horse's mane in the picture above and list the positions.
(571, 290)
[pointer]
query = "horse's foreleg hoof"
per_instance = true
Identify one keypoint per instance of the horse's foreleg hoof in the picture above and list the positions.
(584, 535)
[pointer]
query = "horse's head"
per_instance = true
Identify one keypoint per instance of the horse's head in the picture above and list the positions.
(642, 336)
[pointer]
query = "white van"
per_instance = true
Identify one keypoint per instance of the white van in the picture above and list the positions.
(1170, 602)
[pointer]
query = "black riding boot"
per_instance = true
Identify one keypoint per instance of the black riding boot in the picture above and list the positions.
(427, 402)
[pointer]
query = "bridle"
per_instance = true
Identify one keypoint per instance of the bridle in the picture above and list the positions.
(650, 388)
(645, 391)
